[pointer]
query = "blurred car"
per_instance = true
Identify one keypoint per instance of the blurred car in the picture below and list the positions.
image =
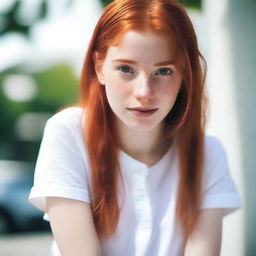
(16, 213)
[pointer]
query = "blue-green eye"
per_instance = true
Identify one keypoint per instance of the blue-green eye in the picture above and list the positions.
(125, 69)
(164, 72)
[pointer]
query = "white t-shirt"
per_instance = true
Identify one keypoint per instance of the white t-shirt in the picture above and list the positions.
(147, 224)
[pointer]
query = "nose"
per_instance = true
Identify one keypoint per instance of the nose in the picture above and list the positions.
(144, 90)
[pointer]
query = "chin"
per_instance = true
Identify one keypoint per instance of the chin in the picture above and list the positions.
(141, 126)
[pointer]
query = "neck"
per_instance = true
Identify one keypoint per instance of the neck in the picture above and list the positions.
(147, 146)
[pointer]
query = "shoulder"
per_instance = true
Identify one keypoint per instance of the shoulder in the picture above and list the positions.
(216, 160)
(64, 125)
(219, 190)
(213, 147)
(213, 143)
(69, 116)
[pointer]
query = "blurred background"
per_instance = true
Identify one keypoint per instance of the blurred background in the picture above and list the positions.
(42, 47)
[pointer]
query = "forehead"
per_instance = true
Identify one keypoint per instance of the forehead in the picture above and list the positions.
(142, 45)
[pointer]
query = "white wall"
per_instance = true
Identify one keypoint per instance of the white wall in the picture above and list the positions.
(214, 43)
(231, 56)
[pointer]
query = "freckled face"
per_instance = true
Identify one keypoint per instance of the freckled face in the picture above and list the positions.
(140, 80)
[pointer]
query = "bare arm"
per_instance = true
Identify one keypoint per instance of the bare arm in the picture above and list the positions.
(72, 226)
(206, 238)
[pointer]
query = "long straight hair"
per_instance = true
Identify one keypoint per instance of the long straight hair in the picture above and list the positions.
(185, 122)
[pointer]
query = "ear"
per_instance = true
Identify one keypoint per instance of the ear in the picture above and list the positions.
(98, 68)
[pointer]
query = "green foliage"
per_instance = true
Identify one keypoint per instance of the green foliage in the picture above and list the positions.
(57, 87)
(105, 2)
(196, 4)
(189, 3)
(10, 22)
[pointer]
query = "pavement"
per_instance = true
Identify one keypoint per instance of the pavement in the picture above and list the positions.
(26, 244)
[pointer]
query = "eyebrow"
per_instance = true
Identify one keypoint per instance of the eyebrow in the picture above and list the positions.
(163, 63)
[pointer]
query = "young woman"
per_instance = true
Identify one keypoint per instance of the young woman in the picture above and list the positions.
(130, 171)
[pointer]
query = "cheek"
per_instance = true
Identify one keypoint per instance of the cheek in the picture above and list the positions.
(117, 90)
(115, 83)
(170, 90)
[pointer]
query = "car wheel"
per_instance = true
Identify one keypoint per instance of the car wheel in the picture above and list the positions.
(5, 225)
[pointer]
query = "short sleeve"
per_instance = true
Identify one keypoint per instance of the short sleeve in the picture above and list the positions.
(219, 188)
(61, 169)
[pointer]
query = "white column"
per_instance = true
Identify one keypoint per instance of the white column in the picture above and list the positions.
(224, 118)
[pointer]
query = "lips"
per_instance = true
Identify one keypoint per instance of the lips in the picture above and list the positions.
(142, 111)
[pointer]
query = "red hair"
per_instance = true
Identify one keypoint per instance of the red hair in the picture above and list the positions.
(186, 121)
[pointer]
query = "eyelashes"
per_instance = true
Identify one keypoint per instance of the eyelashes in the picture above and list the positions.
(164, 71)
(125, 69)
